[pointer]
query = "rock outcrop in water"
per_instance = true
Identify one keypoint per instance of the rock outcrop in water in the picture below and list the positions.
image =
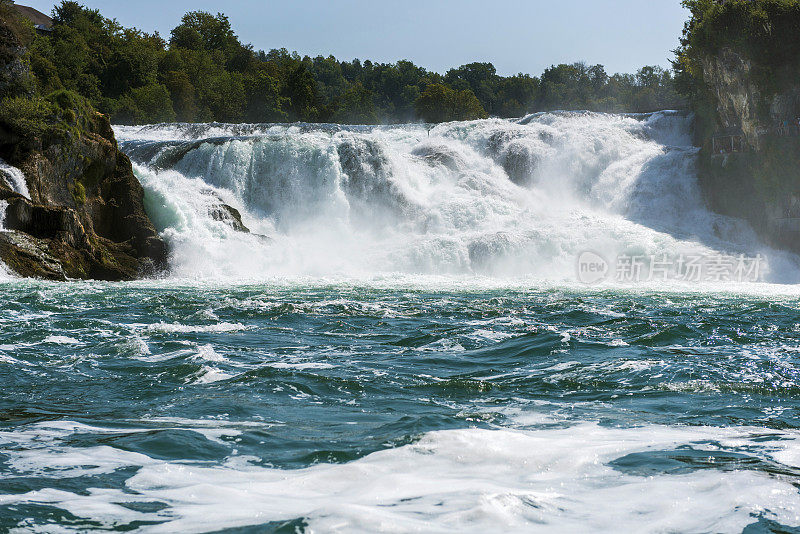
(219, 211)
(84, 215)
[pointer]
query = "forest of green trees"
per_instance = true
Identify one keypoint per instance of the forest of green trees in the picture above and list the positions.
(203, 73)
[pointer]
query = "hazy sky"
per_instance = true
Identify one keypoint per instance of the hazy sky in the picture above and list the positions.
(515, 35)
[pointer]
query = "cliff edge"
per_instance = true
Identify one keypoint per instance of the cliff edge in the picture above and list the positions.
(739, 63)
(70, 205)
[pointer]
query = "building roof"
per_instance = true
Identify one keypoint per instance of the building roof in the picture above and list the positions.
(39, 19)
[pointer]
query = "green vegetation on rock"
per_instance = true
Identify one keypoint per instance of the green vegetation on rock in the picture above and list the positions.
(764, 35)
(40, 119)
(84, 216)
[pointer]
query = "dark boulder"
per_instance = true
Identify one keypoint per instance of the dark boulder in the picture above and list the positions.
(440, 154)
(86, 209)
(219, 211)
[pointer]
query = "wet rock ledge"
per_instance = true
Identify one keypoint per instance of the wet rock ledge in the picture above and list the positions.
(85, 216)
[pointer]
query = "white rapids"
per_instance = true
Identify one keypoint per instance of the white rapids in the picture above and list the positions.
(494, 197)
(561, 479)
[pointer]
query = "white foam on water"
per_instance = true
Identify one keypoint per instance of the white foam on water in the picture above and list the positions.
(61, 340)
(209, 375)
(138, 346)
(472, 480)
(10, 360)
(490, 335)
(301, 365)
(188, 329)
(207, 353)
(5, 274)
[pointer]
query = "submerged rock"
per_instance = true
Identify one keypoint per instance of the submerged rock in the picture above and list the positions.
(230, 216)
(440, 154)
(219, 211)
(511, 150)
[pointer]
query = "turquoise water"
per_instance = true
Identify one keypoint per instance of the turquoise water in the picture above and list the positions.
(366, 406)
(401, 344)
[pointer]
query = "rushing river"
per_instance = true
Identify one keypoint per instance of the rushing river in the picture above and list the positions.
(403, 342)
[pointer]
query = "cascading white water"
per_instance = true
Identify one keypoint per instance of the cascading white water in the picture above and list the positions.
(16, 181)
(494, 197)
(4, 272)
(14, 178)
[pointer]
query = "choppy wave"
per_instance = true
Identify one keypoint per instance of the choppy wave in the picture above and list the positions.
(322, 408)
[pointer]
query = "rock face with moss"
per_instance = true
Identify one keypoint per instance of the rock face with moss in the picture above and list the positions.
(84, 217)
(740, 64)
(761, 182)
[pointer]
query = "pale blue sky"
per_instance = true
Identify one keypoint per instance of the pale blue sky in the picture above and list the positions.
(515, 35)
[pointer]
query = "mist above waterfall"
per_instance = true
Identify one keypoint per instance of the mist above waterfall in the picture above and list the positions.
(493, 197)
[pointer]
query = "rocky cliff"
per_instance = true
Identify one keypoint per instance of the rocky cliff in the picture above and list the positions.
(740, 64)
(83, 215)
(761, 181)
(735, 95)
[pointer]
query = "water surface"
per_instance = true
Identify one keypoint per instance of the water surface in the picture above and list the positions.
(397, 406)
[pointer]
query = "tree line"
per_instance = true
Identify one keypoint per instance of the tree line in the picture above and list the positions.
(204, 73)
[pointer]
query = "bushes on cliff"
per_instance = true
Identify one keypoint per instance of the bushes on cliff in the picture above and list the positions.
(56, 115)
(765, 31)
(28, 118)
(75, 110)
(767, 28)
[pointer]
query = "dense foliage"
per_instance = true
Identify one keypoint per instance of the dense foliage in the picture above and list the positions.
(767, 32)
(204, 73)
(29, 117)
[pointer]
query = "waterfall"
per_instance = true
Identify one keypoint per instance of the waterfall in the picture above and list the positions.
(500, 198)
(4, 272)
(14, 178)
